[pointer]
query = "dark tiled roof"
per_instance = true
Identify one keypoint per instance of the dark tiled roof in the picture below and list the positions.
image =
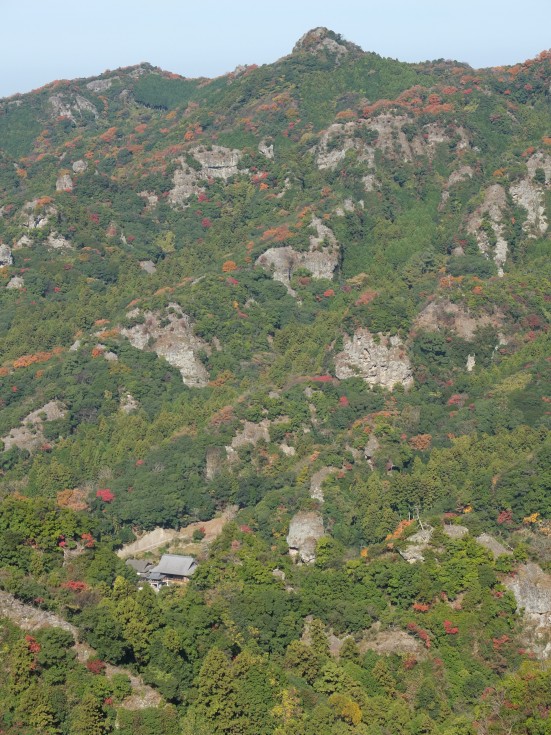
(141, 566)
(173, 564)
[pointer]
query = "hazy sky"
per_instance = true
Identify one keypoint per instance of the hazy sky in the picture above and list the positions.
(62, 39)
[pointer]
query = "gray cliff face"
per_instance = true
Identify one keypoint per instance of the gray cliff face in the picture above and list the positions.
(174, 340)
(531, 587)
(29, 434)
(379, 361)
(6, 257)
(492, 208)
(387, 136)
(321, 259)
(216, 162)
(304, 531)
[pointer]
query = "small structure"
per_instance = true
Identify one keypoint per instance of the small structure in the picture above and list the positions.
(172, 569)
(140, 566)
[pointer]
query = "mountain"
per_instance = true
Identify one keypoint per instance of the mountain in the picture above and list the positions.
(313, 293)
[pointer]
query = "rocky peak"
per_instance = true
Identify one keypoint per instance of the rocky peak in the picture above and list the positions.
(319, 40)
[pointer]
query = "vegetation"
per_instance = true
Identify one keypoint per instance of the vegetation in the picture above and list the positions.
(172, 330)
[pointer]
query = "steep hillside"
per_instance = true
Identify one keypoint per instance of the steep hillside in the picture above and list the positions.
(318, 290)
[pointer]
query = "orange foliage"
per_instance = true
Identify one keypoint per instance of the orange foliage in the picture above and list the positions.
(229, 266)
(72, 499)
(97, 351)
(223, 416)
(26, 360)
(141, 128)
(278, 234)
(108, 136)
(365, 298)
(346, 115)
(421, 442)
(399, 530)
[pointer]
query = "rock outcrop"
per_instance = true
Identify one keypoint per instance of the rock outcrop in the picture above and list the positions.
(321, 259)
(317, 480)
(531, 197)
(29, 434)
(379, 360)
(304, 531)
(531, 587)
(172, 337)
(416, 545)
(492, 210)
(385, 133)
(493, 545)
(444, 314)
(215, 162)
(64, 183)
(6, 257)
(15, 283)
(320, 40)
(80, 166)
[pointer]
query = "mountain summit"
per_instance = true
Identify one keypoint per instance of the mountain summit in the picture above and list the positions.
(322, 39)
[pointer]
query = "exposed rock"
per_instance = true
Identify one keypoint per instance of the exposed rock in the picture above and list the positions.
(287, 450)
(152, 540)
(493, 545)
(390, 642)
(532, 590)
(444, 314)
(216, 162)
(369, 182)
(317, 480)
(23, 242)
(173, 339)
(471, 362)
(460, 174)
(31, 619)
(540, 160)
(16, 282)
(58, 242)
(100, 85)
(370, 449)
(150, 197)
(64, 183)
(381, 361)
(68, 106)
(35, 216)
(455, 531)
(416, 545)
(320, 39)
(531, 197)
(390, 139)
(6, 257)
(148, 266)
(80, 166)
(75, 346)
(252, 433)
(321, 259)
(492, 208)
(29, 434)
(265, 149)
(304, 531)
(128, 403)
(110, 356)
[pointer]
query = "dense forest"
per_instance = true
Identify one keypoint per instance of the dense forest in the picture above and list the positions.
(293, 320)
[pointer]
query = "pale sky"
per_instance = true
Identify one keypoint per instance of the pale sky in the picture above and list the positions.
(63, 39)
